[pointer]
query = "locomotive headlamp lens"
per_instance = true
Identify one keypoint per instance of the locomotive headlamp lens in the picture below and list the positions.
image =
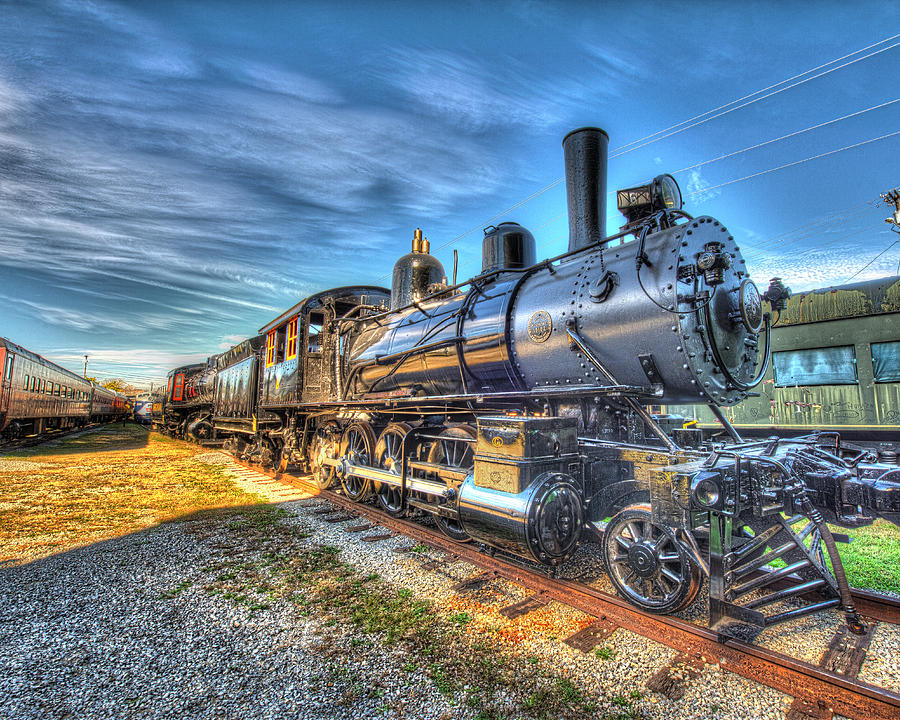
(666, 193)
(662, 193)
(707, 493)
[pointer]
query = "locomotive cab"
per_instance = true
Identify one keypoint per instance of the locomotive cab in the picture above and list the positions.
(303, 349)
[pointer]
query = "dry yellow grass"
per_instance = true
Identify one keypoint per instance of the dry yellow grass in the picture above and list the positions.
(100, 485)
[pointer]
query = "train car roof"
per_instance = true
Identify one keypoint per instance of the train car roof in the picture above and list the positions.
(354, 294)
(872, 297)
(194, 367)
(241, 351)
(19, 350)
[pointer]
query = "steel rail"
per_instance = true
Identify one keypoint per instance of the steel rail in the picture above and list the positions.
(32, 440)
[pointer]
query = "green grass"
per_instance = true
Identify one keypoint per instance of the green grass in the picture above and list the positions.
(872, 559)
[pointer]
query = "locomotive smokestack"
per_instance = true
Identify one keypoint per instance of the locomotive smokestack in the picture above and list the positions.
(586, 151)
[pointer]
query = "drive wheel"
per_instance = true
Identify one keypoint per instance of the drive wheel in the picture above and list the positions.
(452, 449)
(646, 564)
(356, 448)
(324, 445)
(389, 457)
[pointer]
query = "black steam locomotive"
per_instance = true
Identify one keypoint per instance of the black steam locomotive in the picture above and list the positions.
(511, 408)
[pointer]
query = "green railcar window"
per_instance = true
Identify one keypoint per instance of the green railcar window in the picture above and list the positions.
(817, 366)
(886, 361)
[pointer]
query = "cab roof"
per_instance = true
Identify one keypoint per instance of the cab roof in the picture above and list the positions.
(352, 295)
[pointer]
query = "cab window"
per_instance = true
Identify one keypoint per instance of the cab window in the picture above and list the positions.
(292, 339)
(280, 342)
(178, 388)
(50, 388)
(314, 332)
(27, 382)
(270, 349)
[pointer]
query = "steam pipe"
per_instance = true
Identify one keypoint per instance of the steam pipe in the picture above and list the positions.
(586, 151)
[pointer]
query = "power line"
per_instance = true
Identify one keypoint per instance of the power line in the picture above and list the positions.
(785, 137)
(834, 219)
(872, 260)
(796, 162)
(763, 97)
(770, 87)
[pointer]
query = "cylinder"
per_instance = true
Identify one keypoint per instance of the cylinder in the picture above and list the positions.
(586, 152)
(542, 522)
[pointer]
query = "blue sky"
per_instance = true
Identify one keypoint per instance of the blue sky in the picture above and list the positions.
(174, 175)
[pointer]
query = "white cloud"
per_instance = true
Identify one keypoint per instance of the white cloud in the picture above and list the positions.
(697, 189)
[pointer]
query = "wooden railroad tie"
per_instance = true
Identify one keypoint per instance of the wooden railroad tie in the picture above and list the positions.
(309, 503)
(376, 538)
(359, 528)
(844, 655)
(343, 517)
(476, 582)
(433, 564)
(591, 636)
(325, 510)
(401, 549)
(672, 681)
(523, 607)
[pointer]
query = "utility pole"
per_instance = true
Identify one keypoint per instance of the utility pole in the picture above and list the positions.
(84, 374)
(893, 198)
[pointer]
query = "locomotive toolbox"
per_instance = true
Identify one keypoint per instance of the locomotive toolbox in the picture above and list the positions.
(511, 408)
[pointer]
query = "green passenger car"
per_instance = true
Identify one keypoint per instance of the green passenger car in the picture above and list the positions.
(835, 366)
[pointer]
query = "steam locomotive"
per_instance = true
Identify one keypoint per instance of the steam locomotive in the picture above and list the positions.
(511, 408)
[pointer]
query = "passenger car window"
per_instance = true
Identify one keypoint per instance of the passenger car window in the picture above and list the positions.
(817, 366)
(886, 361)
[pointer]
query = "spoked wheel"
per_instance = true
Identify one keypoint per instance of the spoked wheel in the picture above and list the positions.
(452, 449)
(324, 445)
(646, 564)
(389, 457)
(356, 447)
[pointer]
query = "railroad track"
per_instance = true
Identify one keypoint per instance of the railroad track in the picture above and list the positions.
(33, 440)
(819, 691)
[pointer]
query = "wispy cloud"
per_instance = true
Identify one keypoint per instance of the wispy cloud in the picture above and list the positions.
(696, 189)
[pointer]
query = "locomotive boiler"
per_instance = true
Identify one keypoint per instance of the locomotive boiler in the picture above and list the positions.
(511, 409)
(679, 321)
